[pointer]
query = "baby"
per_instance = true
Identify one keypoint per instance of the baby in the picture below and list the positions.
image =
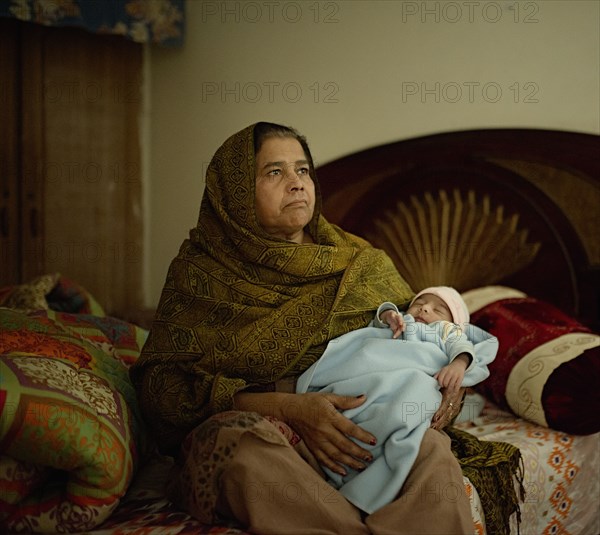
(399, 362)
(436, 304)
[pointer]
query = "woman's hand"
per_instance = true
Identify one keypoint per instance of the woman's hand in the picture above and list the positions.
(325, 431)
(449, 408)
(316, 418)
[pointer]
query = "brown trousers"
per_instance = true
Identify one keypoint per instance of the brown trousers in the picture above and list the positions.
(269, 489)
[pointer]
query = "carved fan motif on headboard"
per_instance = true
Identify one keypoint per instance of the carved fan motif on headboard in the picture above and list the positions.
(453, 241)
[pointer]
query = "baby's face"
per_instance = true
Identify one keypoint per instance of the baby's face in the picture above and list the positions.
(428, 308)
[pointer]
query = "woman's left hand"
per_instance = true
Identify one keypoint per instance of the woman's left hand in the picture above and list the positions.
(449, 408)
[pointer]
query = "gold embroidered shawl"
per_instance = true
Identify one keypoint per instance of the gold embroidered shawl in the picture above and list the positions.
(240, 308)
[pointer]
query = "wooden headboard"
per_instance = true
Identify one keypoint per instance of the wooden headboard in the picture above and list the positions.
(517, 207)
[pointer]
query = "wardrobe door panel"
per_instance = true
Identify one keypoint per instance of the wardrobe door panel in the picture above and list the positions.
(32, 151)
(10, 242)
(82, 156)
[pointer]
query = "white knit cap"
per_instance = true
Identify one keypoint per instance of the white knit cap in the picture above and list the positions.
(456, 304)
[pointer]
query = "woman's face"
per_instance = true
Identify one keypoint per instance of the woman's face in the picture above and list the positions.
(285, 192)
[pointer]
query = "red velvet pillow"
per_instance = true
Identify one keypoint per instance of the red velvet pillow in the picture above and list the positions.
(547, 369)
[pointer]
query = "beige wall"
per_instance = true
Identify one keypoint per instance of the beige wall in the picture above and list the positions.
(353, 74)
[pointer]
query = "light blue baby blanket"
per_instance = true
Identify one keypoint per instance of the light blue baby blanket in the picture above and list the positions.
(402, 397)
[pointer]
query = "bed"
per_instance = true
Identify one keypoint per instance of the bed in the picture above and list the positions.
(509, 217)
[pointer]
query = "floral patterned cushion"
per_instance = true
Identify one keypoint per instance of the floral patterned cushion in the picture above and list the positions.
(70, 435)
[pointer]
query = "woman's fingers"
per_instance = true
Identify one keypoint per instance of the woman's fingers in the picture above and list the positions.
(347, 426)
(449, 407)
(334, 456)
(327, 434)
(342, 449)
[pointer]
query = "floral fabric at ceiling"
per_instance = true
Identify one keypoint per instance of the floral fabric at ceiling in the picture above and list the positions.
(142, 21)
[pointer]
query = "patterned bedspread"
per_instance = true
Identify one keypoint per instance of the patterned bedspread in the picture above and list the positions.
(562, 473)
(561, 480)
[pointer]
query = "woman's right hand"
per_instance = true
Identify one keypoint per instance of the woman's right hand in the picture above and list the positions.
(316, 417)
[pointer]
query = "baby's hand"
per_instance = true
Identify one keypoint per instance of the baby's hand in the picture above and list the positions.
(452, 375)
(394, 320)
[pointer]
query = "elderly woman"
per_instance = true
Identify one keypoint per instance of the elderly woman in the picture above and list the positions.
(255, 294)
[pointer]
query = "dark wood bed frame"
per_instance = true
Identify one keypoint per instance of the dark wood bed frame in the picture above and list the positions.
(550, 179)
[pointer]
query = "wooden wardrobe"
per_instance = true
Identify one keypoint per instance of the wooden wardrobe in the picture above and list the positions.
(70, 166)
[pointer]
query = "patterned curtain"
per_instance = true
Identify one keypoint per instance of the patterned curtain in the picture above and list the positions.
(142, 21)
